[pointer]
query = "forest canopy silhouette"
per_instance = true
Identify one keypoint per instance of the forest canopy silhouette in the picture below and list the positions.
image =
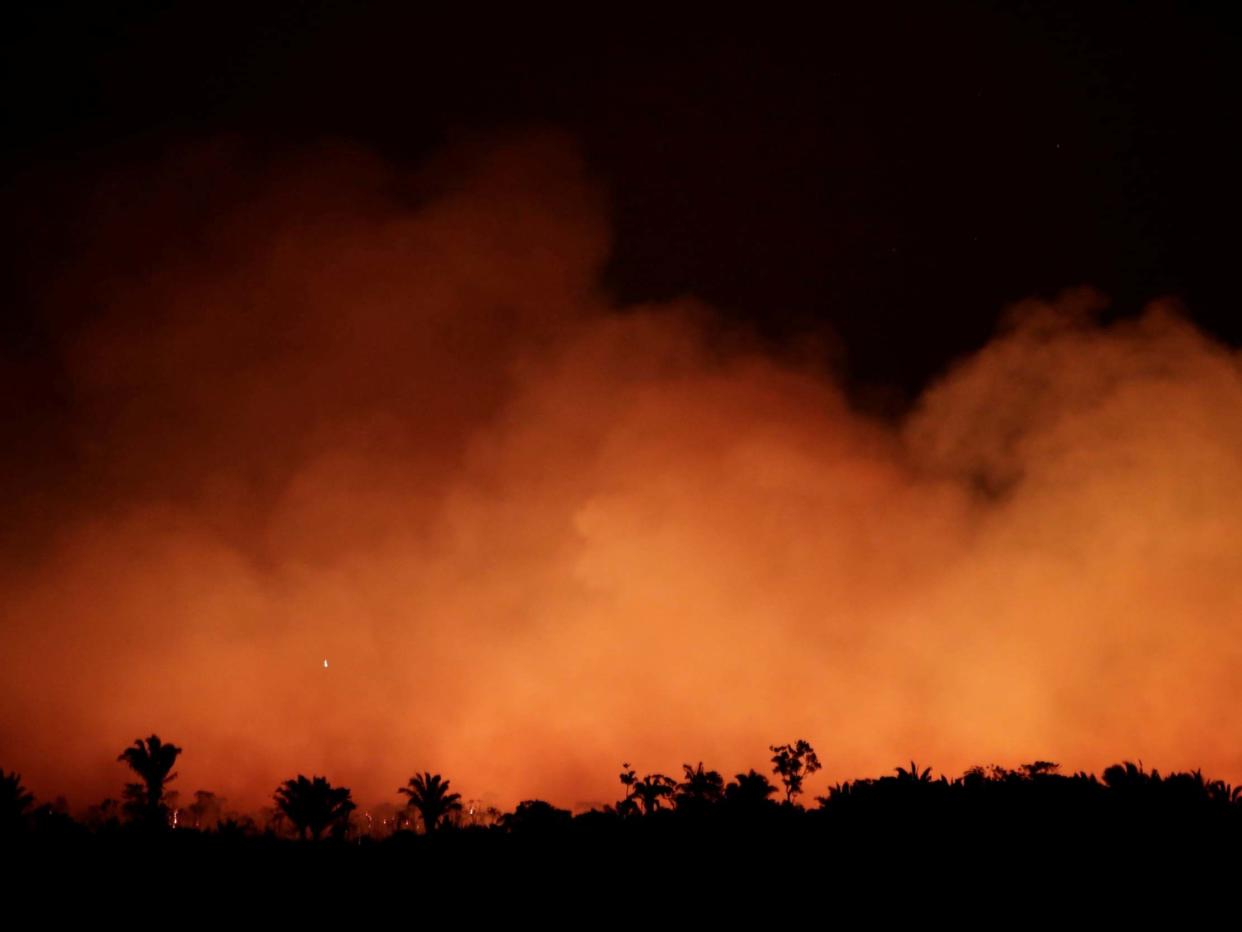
(1033, 808)
(317, 408)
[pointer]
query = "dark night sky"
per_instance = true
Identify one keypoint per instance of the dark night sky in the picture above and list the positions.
(900, 176)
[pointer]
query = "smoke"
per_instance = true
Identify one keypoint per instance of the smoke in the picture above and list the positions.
(319, 408)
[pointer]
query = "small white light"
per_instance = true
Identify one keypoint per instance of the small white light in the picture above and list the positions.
(325, 664)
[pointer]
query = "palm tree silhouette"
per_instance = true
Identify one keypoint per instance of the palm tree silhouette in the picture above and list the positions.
(15, 801)
(651, 789)
(1129, 778)
(429, 794)
(700, 788)
(314, 805)
(1218, 791)
(914, 775)
(628, 806)
(152, 760)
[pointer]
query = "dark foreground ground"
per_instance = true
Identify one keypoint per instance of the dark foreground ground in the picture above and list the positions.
(1051, 850)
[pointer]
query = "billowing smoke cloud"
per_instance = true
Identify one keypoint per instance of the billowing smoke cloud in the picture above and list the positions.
(323, 410)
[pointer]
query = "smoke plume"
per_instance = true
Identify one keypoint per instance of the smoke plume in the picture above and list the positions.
(322, 408)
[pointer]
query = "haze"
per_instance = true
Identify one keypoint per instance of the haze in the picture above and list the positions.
(319, 408)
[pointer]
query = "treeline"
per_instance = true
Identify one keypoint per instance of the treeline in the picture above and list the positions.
(1034, 800)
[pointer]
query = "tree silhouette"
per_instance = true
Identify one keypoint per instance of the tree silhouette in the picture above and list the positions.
(914, 775)
(205, 811)
(152, 760)
(651, 789)
(536, 816)
(628, 805)
(1040, 768)
(1220, 792)
(750, 790)
(429, 794)
(793, 763)
(700, 788)
(15, 801)
(1129, 778)
(314, 805)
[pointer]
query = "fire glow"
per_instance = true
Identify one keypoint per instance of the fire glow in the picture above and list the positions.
(398, 422)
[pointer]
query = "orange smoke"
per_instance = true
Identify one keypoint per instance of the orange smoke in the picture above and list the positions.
(329, 410)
